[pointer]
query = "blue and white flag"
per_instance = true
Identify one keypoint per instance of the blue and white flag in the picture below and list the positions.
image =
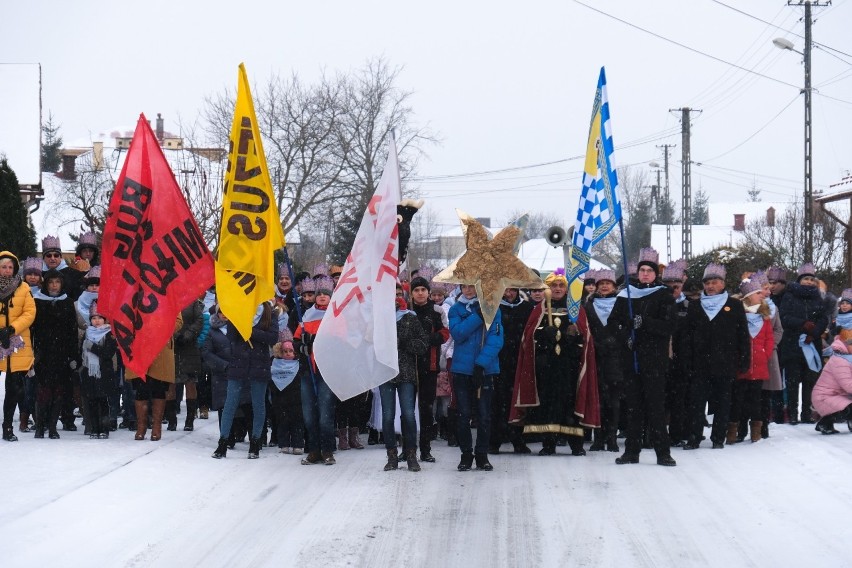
(600, 208)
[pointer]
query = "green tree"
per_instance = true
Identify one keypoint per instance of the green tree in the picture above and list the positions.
(16, 231)
(701, 208)
(51, 145)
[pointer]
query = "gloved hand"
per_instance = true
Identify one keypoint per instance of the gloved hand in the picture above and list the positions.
(478, 376)
(73, 365)
(808, 327)
(308, 339)
(6, 334)
(436, 339)
(637, 322)
(550, 333)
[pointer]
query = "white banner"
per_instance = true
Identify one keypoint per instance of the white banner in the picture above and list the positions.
(355, 348)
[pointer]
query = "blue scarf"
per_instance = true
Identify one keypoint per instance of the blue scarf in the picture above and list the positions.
(773, 309)
(470, 304)
(755, 323)
(845, 356)
(93, 362)
(845, 320)
(401, 313)
(636, 293)
(84, 303)
(284, 371)
(603, 307)
(39, 295)
(811, 354)
(713, 304)
(680, 299)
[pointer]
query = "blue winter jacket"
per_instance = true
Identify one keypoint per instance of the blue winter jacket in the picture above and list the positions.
(471, 348)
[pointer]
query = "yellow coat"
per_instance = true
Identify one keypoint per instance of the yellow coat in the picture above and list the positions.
(21, 316)
(163, 367)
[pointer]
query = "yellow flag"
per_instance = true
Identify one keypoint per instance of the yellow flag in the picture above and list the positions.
(251, 227)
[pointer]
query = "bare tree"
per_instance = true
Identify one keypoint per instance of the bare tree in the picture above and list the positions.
(538, 224)
(84, 200)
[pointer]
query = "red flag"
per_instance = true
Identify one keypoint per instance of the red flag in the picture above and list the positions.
(155, 260)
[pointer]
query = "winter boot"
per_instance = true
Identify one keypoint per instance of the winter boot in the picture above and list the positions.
(312, 458)
(548, 446)
(612, 440)
(9, 433)
(24, 426)
(826, 425)
(742, 430)
(483, 463)
(393, 460)
(411, 459)
(343, 439)
(254, 448)
(204, 412)
(191, 407)
(731, 435)
(627, 458)
(519, 447)
(372, 437)
(756, 431)
(158, 407)
(171, 415)
(354, 439)
(576, 445)
(221, 449)
(426, 451)
(666, 460)
(53, 419)
(328, 458)
(141, 419)
(466, 461)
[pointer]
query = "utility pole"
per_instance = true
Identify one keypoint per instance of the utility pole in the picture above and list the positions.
(686, 182)
(809, 182)
(667, 200)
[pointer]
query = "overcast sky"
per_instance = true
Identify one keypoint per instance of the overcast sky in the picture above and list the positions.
(504, 84)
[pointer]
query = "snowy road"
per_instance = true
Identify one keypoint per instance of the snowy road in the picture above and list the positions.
(79, 502)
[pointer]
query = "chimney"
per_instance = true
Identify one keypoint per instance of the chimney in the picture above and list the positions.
(160, 129)
(69, 171)
(98, 155)
(739, 221)
(770, 217)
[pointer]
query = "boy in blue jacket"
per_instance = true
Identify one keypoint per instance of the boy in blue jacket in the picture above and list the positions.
(475, 365)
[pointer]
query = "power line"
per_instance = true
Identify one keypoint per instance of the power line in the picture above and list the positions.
(684, 46)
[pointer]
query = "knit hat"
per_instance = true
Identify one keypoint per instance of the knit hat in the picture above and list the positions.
(32, 265)
(776, 274)
(419, 281)
(807, 269)
(749, 286)
(285, 335)
(714, 270)
(93, 276)
(606, 274)
(649, 257)
(50, 244)
(87, 240)
(93, 310)
(675, 271)
(324, 284)
(846, 296)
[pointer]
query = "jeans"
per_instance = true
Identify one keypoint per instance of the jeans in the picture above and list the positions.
(232, 401)
(406, 404)
(465, 393)
(318, 411)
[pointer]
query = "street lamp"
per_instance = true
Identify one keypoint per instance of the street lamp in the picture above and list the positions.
(786, 44)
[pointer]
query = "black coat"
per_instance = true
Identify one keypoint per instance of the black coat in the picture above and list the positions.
(216, 352)
(608, 350)
(654, 335)
(720, 347)
(105, 385)
(187, 354)
(431, 317)
(412, 342)
(252, 360)
(514, 320)
(799, 305)
(55, 339)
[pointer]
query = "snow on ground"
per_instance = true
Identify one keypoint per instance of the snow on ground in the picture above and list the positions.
(117, 502)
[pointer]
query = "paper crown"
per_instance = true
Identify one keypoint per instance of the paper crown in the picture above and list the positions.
(605, 274)
(846, 296)
(776, 274)
(675, 271)
(749, 286)
(281, 270)
(32, 265)
(760, 276)
(632, 268)
(714, 270)
(649, 254)
(87, 239)
(320, 269)
(324, 284)
(309, 285)
(807, 269)
(50, 243)
(94, 272)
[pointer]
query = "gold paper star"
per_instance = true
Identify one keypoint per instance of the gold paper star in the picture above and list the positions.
(489, 264)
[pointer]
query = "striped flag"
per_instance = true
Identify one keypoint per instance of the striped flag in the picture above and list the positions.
(600, 209)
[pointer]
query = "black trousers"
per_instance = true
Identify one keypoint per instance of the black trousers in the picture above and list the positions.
(746, 400)
(646, 396)
(14, 393)
(717, 389)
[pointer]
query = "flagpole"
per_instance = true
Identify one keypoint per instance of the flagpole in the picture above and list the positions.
(629, 300)
(297, 299)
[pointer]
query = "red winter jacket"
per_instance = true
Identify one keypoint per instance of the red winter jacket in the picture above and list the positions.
(762, 347)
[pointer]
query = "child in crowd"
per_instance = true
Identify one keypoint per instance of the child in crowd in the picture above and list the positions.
(286, 396)
(98, 371)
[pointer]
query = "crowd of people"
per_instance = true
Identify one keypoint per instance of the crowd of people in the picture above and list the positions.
(649, 358)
